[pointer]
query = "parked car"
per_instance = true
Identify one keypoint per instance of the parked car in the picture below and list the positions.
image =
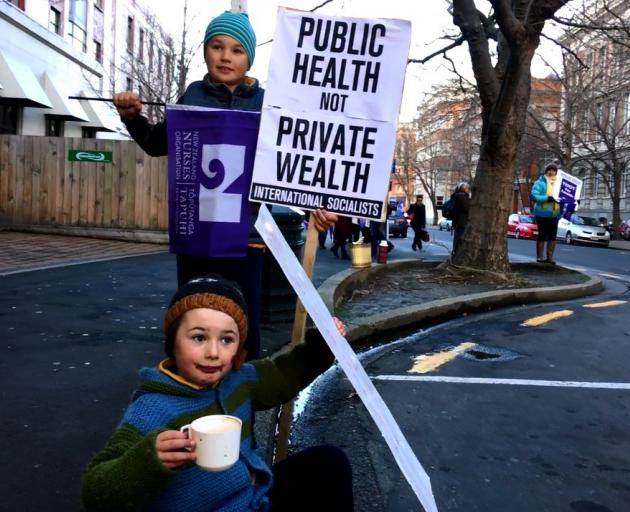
(583, 230)
(522, 226)
(445, 224)
(398, 224)
(624, 229)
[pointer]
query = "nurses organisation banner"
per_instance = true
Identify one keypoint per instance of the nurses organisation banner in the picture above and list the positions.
(328, 125)
(210, 161)
(567, 190)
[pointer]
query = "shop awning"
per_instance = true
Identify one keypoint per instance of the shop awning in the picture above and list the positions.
(63, 107)
(19, 84)
(100, 115)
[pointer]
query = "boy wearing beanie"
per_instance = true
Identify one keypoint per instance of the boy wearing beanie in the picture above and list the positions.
(229, 50)
(146, 464)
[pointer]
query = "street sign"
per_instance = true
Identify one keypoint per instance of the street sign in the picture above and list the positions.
(84, 155)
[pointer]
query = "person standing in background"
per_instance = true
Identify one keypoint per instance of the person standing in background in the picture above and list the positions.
(547, 213)
(461, 209)
(418, 221)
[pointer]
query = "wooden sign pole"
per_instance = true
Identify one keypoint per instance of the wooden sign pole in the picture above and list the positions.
(297, 336)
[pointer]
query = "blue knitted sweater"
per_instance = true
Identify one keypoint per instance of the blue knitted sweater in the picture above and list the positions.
(127, 475)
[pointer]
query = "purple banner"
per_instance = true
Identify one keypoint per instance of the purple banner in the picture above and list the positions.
(210, 162)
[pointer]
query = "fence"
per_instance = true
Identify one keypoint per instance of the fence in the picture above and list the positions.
(41, 188)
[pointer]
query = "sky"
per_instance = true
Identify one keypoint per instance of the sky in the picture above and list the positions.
(430, 21)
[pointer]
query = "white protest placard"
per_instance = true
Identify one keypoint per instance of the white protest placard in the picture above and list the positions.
(567, 187)
(328, 124)
(351, 66)
(347, 359)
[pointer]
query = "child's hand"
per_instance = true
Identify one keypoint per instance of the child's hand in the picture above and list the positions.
(340, 327)
(128, 104)
(171, 447)
(324, 219)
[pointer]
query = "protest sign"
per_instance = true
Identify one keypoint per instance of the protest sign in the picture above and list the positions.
(328, 125)
(567, 190)
(403, 454)
(211, 154)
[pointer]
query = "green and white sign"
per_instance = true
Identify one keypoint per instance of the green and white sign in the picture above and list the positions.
(84, 155)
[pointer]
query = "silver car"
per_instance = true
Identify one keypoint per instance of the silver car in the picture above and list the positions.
(445, 224)
(583, 230)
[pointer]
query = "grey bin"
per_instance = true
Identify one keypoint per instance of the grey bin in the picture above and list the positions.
(278, 303)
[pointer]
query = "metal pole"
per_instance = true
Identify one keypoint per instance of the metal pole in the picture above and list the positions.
(239, 5)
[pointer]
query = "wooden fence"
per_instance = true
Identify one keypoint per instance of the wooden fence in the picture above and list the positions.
(40, 187)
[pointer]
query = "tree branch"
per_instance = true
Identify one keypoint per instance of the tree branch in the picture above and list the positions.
(310, 10)
(566, 49)
(466, 17)
(458, 42)
(508, 23)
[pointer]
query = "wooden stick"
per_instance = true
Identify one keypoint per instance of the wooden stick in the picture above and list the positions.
(94, 98)
(297, 336)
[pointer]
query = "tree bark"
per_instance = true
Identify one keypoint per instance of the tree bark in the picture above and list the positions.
(504, 91)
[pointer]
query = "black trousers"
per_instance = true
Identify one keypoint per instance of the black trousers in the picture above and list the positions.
(417, 236)
(246, 272)
(318, 479)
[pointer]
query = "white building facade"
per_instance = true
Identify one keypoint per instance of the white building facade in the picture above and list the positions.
(51, 50)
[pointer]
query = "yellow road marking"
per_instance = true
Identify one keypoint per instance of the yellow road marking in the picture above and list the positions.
(428, 362)
(605, 304)
(543, 319)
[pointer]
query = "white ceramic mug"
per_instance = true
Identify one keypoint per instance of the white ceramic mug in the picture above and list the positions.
(217, 440)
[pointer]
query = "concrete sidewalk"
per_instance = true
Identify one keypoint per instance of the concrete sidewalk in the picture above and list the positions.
(23, 252)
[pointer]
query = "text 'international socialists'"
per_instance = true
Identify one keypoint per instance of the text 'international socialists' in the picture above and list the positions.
(332, 156)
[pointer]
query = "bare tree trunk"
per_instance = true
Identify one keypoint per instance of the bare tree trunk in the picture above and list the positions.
(504, 90)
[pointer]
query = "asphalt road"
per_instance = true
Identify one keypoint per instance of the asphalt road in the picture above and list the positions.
(529, 418)
(73, 340)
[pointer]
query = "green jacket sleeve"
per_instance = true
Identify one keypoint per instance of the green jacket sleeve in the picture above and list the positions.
(284, 375)
(126, 474)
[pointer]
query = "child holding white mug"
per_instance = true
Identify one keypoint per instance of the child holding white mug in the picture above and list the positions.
(148, 464)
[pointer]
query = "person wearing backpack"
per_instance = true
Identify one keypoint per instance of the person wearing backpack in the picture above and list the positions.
(459, 216)
(418, 221)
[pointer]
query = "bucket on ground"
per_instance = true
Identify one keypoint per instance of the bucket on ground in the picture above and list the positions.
(361, 255)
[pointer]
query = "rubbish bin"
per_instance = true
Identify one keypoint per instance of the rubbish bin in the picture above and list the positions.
(278, 302)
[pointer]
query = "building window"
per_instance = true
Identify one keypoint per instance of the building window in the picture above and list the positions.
(8, 118)
(54, 20)
(88, 132)
(78, 24)
(18, 3)
(626, 120)
(141, 44)
(54, 126)
(129, 84)
(130, 34)
(98, 51)
(100, 5)
(151, 43)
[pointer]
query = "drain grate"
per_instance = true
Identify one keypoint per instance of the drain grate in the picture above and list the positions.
(490, 354)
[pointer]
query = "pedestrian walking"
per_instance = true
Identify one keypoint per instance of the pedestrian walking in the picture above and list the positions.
(547, 212)
(149, 464)
(461, 209)
(229, 48)
(343, 233)
(418, 214)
